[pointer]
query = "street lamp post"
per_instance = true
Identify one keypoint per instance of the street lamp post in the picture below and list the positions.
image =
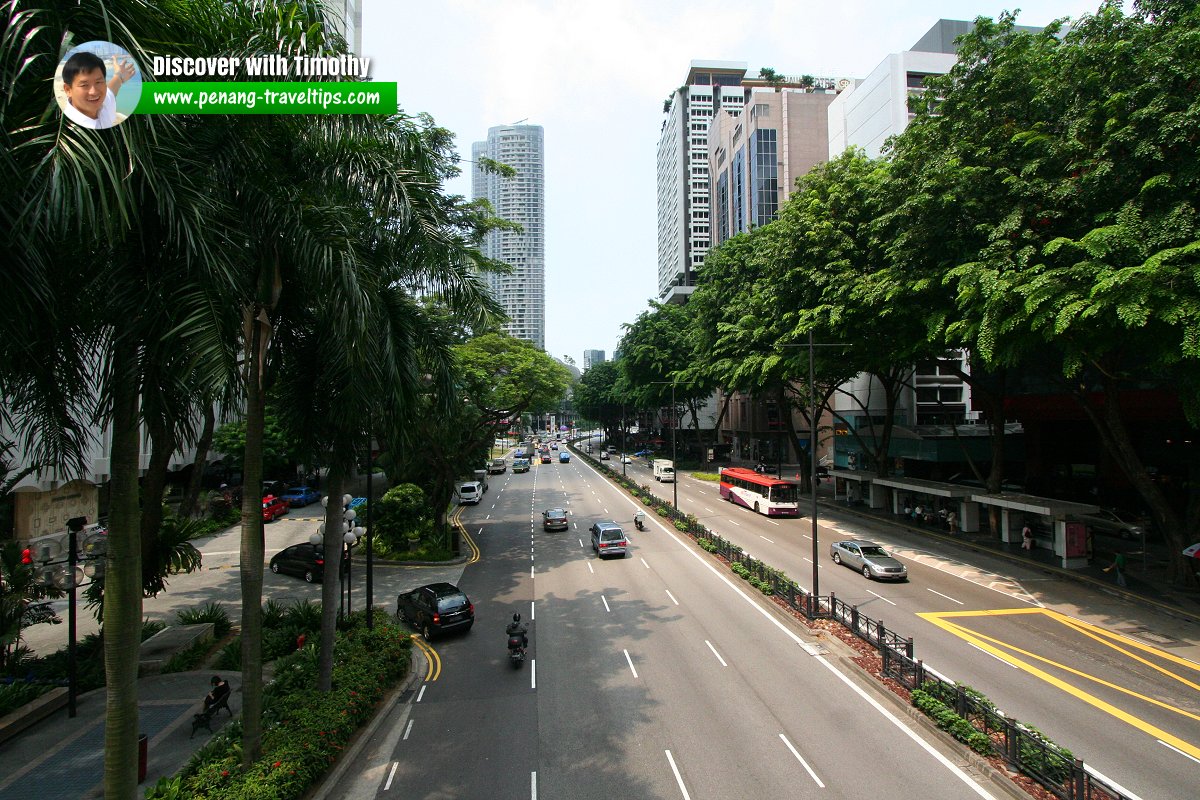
(370, 549)
(623, 440)
(350, 536)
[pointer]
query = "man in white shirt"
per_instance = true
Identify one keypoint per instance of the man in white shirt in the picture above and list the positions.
(91, 101)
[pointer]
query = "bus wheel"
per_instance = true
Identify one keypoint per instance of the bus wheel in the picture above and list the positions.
(756, 508)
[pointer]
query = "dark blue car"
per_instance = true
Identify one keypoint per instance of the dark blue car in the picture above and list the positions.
(301, 496)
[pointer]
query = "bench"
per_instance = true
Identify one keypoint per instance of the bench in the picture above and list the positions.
(204, 718)
(34, 711)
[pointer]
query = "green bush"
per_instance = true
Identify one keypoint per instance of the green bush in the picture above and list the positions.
(189, 659)
(740, 570)
(305, 730)
(945, 718)
(662, 511)
(402, 510)
(707, 544)
(1052, 761)
(230, 657)
(680, 525)
(209, 612)
(16, 694)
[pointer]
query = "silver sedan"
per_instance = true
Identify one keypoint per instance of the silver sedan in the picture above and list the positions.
(868, 558)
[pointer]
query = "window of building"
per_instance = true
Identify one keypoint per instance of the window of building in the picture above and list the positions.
(761, 110)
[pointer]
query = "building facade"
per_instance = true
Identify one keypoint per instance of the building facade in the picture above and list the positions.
(521, 199)
(591, 357)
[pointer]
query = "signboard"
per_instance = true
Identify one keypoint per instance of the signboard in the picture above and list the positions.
(1076, 540)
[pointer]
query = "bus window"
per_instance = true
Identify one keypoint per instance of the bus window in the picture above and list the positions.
(784, 493)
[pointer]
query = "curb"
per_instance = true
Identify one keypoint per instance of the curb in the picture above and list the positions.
(365, 735)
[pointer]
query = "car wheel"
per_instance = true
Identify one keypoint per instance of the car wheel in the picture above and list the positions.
(427, 632)
(400, 615)
(866, 572)
(275, 568)
(837, 558)
(309, 577)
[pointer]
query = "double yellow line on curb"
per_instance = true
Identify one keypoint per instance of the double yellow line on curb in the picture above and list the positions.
(433, 666)
(456, 521)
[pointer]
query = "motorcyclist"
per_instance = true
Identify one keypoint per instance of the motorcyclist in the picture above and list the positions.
(517, 628)
(639, 520)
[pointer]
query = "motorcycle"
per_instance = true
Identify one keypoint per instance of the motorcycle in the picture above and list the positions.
(37, 613)
(516, 649)
(639, 523)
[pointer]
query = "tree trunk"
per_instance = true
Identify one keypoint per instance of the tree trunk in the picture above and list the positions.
(191, 498)
(256, 336)
(331, 583)
(122, 585)
(162, 446)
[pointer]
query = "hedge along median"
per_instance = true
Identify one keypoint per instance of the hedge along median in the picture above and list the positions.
(304, 730)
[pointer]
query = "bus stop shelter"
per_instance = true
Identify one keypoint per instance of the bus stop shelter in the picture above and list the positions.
(1047, 517)
(952, 495)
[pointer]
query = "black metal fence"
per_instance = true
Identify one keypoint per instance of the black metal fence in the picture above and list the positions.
(1021, 746)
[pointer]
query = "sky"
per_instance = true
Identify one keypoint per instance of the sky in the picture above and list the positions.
(594, 75)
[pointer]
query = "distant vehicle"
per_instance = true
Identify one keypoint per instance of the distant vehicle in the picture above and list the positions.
(470, 492)
(554, 445)
(303, 560)
(869, 558)
(1122, 523)
(664, 471)
(612, 448)
(554, 519)
(645, 453)
(481, 477)
(564, 457)
(626, 460)
(301, 496)
(520, 465)
(762, 493)
(604, 455)
(498, 466)
(435, 609)
(608, 539)
(545, 458)
(274, 508)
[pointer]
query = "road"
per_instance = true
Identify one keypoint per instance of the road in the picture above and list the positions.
(651, 676)
(1097, 673)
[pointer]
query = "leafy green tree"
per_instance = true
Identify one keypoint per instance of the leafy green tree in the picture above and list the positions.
(597, 395)
(280, 449)
(401, 512)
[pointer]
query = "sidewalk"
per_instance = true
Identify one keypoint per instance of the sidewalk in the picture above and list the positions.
(63, 759)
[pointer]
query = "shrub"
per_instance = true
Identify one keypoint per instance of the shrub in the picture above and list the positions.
(303, 614)
(680, 525)
(401, 510)
(945, 718)
(661, 511)
(740, 570)
(209, 612)
(16, 694)
(189, 659)
(230, 657)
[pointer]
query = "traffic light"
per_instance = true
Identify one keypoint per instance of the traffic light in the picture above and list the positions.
(27, 556)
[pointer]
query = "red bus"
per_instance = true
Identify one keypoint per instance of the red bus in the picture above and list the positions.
(762, 493)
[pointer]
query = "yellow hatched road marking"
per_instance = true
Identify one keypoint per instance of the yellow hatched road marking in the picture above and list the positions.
(1005, 652)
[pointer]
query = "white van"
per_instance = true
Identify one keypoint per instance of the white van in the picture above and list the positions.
(664, 470)
(470, 492)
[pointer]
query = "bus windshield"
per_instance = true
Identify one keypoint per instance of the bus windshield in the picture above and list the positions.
(783, 493)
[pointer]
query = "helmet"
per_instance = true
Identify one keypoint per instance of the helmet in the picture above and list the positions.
(516, 617)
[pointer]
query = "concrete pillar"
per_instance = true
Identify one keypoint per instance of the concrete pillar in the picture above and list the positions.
(968, 516)
(876, 495)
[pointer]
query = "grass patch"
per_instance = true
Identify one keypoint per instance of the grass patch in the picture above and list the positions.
(706, 476)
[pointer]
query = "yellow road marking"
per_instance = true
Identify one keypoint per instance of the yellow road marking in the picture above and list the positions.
(433, 668)
(984, 642)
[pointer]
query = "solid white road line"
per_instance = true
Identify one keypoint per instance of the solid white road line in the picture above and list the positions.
(632, 668)
(533, 673)
(533, 785)
(673, 600)
(479, 531)
(606, 608)
(487, 516)
(993, 655)
(881, 597)
(532, 610)
(391, 775)
(948, 597)
(644, 564)
(709, 510)
(765, 538)
(678, 778)
(408, 730)
(421, 693)
(581, 542)
(773, 522)
(1177, 750)
(715, 653)
(802, 761)
(736, 523)
(590, 568)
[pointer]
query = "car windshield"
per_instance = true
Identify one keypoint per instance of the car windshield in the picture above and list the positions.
(452, 602)
(556, 512)
(783, 493)
(875, 550)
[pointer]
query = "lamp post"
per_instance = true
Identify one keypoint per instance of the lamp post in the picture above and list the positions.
(350, 536)
(370, 549)
(622, 440)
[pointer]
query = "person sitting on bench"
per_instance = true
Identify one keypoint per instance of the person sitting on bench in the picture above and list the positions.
(218, 697)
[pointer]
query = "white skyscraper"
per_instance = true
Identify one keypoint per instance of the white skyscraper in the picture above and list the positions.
(521, 199)
(591, 357)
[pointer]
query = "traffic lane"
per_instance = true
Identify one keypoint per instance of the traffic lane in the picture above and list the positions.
(479, 711)
(745, 681)
(677, 652)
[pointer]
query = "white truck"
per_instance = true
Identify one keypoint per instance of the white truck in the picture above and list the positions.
(664, 471)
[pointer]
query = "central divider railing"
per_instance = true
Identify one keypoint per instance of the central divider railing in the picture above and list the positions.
(1021, 746)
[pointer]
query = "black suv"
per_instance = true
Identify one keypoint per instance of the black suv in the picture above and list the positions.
(436, 608)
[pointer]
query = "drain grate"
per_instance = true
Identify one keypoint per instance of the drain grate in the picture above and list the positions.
(1150, 636)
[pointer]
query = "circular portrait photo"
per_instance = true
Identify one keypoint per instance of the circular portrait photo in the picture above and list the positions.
(97, 84)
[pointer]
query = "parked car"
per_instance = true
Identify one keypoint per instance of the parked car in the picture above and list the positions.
(301, 496)
(869, 558)
(564, 457)
(470, 492)
(1120, 523)
(274, 508)
(520, 465)
(604, 455)
(612, 448)
(436, 609)
(608, 539)
(554, 519)
(303, 560)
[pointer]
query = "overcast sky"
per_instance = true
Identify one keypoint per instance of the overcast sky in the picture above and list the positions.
(594, 75)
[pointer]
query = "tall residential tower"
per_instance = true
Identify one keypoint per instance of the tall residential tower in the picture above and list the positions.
(521, 199)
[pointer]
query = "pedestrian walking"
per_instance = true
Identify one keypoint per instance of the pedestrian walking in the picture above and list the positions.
(1027, 538)
(952, 523)
(1119, 565)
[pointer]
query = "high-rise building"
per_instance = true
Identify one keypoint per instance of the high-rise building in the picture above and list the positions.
(591, 357)
(347, 15)
(521, 199)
